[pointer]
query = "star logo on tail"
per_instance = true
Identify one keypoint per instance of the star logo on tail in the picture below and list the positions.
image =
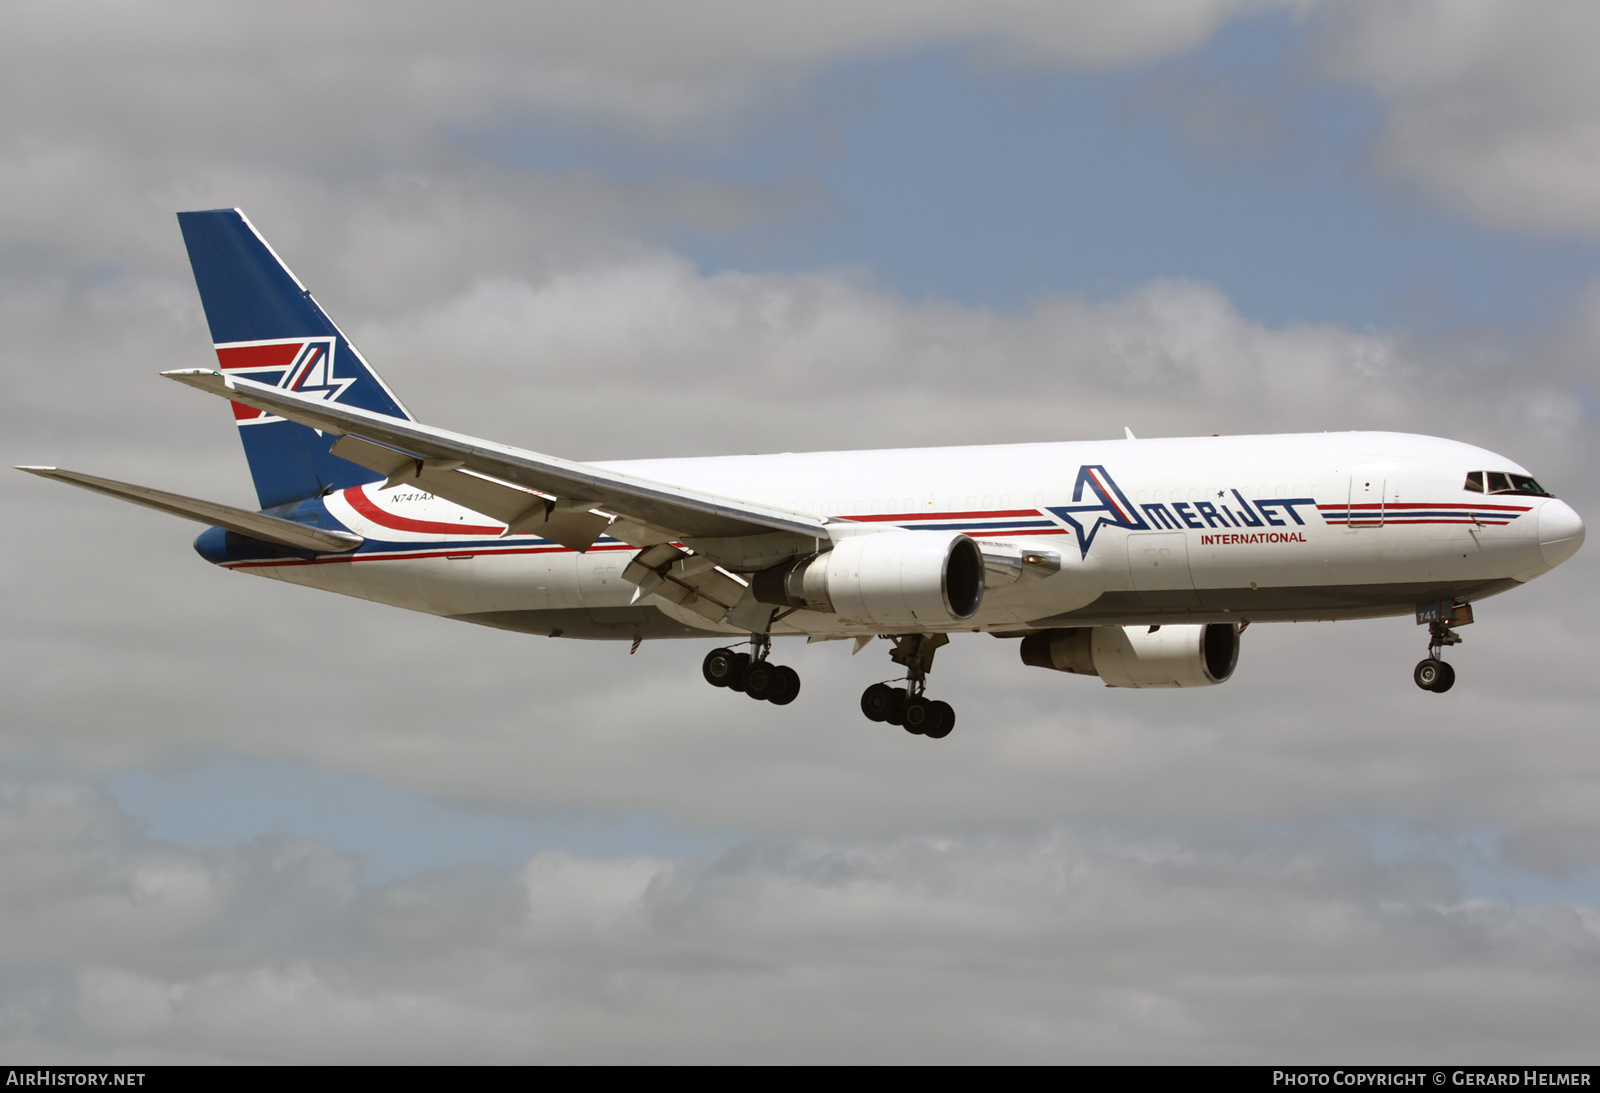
(305, 365)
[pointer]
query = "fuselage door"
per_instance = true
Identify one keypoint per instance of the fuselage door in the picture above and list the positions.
(1159, 561)
(1367, 484)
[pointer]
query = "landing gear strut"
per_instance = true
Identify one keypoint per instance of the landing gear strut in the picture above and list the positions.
(752, 673)
(907, 706)
(1433, 674)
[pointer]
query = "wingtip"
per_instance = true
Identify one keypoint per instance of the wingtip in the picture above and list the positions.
(206, 379)
(34, 470)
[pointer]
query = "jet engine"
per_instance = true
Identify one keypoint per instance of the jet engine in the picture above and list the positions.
(1139, 656)
(888, 579)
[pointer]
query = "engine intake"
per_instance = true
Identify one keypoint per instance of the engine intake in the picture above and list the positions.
(1134, 656)
(888, 579)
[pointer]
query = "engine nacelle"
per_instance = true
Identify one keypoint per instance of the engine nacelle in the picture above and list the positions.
(888, 579)
(1134, 656)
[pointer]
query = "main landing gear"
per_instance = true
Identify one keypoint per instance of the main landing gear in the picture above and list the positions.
(1433, 674)
(752, 673)
(907, 706)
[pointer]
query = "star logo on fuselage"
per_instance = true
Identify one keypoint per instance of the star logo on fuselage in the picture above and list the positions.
(1111, 508)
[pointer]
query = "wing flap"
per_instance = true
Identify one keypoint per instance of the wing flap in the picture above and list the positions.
(257, 525)
(689, 580)
(642, 502)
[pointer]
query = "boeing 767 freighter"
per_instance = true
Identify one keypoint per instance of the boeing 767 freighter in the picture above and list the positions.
(1138, 561)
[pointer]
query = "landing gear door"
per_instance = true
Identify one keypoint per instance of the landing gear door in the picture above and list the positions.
(1368, 482)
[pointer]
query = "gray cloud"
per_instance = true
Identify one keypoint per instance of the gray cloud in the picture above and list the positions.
(393, 72)
(1060, 944)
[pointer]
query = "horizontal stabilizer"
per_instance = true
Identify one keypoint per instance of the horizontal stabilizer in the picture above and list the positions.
(656, 504)
(256, 525)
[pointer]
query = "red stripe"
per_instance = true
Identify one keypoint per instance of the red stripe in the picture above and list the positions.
(1006, 533)
(273, 355)
(1459, 505)
(304, 370)
(359, 501)
(1419, 505)
(276, 355)
(1398, 521)
(944, 515)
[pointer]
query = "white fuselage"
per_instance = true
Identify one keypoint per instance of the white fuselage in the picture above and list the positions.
(1258, 528)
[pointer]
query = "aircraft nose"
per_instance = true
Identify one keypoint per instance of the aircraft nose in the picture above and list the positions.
(1560, 532)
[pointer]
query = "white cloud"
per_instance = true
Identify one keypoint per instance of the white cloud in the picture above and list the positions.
(1493, 105)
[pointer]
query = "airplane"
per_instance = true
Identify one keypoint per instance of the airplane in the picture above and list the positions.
(1138, 561)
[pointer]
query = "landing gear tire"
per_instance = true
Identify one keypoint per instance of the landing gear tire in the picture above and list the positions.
(928, 717)
(788, 689)
(761, 680)
(1434, 675)
(718, 667)
(738, 675)
(772, 683)
(943, 720)
(876, 701)
(916, 715)
(896, 712)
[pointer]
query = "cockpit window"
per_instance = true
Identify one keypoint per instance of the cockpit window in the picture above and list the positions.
(1502, 482)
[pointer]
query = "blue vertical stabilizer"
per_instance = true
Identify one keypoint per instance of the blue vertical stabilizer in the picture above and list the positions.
(267, 327)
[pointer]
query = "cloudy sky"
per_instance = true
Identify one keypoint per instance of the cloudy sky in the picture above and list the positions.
(249, 822)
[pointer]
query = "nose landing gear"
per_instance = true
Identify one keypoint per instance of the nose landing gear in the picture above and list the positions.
(907, 706)
(1433, 674)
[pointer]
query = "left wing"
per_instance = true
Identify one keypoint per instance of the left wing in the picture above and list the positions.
(458, 466)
